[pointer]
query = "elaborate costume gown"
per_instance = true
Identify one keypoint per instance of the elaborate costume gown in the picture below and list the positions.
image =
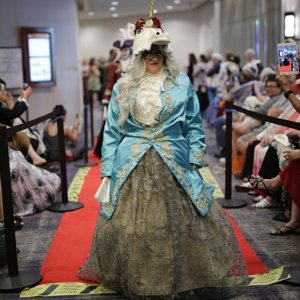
(160, 233)
(33, 189)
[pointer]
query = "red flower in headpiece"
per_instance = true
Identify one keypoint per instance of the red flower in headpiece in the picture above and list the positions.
(139, 24)
(156, 22)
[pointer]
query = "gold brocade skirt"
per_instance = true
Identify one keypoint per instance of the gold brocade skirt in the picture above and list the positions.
(157, 243)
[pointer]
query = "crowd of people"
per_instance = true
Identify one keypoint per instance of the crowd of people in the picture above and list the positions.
(158, 212)
(264, 155)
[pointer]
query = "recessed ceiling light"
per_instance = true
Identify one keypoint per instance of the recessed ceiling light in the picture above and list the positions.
(91, 13)
(115, 15)
(112, 8)
(169, 7)
(177, 1)
(155, 11)
(115, 3)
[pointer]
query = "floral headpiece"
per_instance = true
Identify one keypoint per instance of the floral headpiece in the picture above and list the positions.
(149, 22)
(148, 32)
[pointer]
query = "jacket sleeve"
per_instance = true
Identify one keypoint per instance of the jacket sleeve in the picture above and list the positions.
(6, 114)
(112, 137)
(193, 130)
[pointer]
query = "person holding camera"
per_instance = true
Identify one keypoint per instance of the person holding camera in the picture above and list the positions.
(10, 110)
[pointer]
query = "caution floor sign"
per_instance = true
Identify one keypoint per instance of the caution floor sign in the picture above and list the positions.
(80, 288)
(65, 289)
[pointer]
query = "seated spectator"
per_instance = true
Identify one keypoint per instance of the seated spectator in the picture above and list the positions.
(273, 107)
(50, 139)
(33, 189)
(9, 110)
(289, 178)
(260, 95)
(35, 138)
(239, 94)
(250, 59)
(247, 142)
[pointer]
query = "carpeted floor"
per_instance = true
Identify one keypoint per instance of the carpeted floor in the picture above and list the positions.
(35, 238)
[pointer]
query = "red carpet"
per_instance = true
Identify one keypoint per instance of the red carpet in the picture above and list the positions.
(73, 238)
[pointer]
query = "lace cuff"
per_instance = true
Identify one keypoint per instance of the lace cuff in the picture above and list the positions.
(103, 193)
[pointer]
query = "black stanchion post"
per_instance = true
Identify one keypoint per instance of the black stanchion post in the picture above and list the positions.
(92, 119)
(65, 205)
(228, 202)
(15, 281)
(85, 163)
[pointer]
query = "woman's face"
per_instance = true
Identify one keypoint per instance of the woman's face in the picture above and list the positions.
(154, 60)
(125, 53)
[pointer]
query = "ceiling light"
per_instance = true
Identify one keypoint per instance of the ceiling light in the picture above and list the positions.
(115, 15)
(155, 11)
(115, 3)
(112, 8)
(169, 7)
(177, 1)
(289, 24)
(91, 13)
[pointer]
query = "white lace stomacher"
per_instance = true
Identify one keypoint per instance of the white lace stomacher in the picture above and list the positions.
(148, 103)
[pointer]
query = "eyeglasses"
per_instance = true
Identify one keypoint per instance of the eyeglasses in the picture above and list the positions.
(152, 54)
(271, 86)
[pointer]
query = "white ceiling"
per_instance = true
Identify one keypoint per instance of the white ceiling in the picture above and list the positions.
(125, 8)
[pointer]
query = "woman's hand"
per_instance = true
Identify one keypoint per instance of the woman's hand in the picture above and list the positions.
(7, 98)
(282, 80)
(293, 132)
(265, 141)
(25, 94)
(290, 154)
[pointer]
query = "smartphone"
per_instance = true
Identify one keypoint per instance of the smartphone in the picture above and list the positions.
(25, 86)
(2, 86)
(287, 58)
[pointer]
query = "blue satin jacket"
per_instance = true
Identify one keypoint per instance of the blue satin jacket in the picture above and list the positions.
(178, 137)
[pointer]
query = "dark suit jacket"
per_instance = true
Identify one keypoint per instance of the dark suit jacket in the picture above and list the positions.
(6, 114)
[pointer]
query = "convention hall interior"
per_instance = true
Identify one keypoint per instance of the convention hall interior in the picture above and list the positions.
(236, 55)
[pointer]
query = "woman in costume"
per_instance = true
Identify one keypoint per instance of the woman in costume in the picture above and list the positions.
(159, 232)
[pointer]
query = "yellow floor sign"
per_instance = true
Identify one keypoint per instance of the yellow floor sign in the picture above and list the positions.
(65, 289)
(77, 183)
(210, 179)
(80, 288)
(271, 277)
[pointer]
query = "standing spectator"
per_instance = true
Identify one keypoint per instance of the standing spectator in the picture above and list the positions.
(200, 84)
(190, 67)
(94, 84)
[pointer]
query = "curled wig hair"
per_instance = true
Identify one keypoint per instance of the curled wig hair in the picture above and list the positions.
(130, 81)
